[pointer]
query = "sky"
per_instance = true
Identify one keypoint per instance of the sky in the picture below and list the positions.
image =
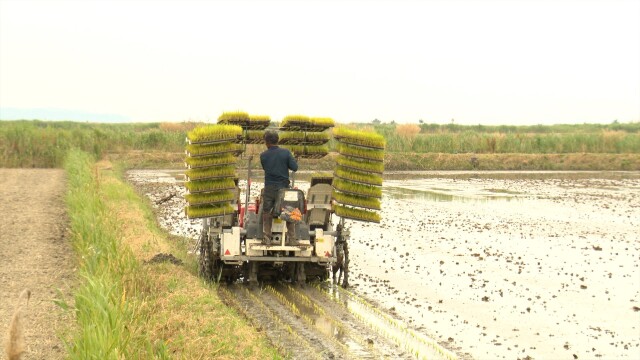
(519, 62)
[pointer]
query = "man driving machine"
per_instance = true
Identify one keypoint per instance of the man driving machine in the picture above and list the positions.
(276, 163)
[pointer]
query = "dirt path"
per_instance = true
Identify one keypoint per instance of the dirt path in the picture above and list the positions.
(34, 255)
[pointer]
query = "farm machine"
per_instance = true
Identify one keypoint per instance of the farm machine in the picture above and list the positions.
(230, 244)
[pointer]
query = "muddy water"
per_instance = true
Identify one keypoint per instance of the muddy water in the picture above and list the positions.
(544, 265)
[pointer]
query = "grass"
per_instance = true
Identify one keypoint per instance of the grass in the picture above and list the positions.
(356, 214)
(212, 172)
(208, 133)
(354, 200)
(207, 161)
(107, 308)
(210, 185)
(347, 186)
(184, 316)
(295, 119)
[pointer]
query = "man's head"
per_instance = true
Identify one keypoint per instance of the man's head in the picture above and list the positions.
(271, 137)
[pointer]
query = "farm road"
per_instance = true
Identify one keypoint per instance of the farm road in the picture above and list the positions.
(34, 255)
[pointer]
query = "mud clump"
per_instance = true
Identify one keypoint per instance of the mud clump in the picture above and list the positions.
(162, 257)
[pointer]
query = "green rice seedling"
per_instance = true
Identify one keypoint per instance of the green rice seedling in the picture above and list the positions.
(356, 214)
(210, 185)
(210, 149)
(322, 137)
(232, 117)
(255, 135)
(208, 210)
(354, 200)
(211, 173)
(358, 176)
(208, 161)
(213, 133)
(322, 121)
(362, 165)
(289, 136)
(350, 187)
(210, 198)
(359, 137)
(260, 120)
(316, 149)
(295, 120)
(362, 153)
(295, 149)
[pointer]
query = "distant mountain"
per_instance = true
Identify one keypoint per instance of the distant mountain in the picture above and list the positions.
(8, 113)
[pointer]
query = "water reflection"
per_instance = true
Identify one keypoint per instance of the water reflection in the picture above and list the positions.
(441, 194)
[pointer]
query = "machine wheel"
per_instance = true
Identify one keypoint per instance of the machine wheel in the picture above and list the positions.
(205, 258)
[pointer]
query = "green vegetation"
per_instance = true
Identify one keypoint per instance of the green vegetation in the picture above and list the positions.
(210, 185)
(233, 117)
(322, 121)
(209, 133)
(359, 137)
(362, 165)
(208, 161)
(209, 198)
(356, 214)
(358, 176)
(208, 210)
(359, 152)
(212, 172)
(295, 119)
(45, 144)
(354, 200)
(210, 149)
(539, 139)
(357, 189)
(109, 318)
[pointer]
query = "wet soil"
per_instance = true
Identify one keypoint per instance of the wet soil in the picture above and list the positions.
(518, 265)
(34, 255)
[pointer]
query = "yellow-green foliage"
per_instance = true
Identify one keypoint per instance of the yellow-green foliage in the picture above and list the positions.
(359, 189)
(212, 172)
(316, 149)
(295, 119)
(291, 135)
(214, 160)
(358, 214)
(233, 116)
(259, 119)
(318, 136)
(362, 165)
(208, 198)
(354, 200)
(366, 153)
(359, 137)
(322, 121)
(255, 134)
(208, 210)
(208, 133)
(210, 149)
(295, 149)
(321, 175)
(358, 176)
(210, 185)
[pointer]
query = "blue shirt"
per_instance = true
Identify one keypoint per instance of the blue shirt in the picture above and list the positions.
(276, 163)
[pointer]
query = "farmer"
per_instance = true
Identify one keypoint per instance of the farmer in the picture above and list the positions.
(276, 163)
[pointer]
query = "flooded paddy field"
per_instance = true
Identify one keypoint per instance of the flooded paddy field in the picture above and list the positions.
(491, 264)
